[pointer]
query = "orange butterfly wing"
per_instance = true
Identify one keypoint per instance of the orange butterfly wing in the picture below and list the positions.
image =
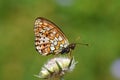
(49, 39)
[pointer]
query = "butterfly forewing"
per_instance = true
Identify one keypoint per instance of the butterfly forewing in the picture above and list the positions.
(49, 39)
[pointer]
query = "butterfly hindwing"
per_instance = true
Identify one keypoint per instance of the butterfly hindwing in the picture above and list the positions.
(49, 39)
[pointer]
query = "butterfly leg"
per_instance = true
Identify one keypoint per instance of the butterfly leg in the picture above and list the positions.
(70, 54)
(56, 54)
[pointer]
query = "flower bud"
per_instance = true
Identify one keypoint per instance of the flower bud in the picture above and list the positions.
(56, 68)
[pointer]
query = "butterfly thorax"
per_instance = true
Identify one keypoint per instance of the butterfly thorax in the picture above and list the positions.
(68, 48)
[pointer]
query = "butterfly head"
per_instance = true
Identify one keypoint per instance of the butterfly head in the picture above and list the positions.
(72, 46)
(68, 48)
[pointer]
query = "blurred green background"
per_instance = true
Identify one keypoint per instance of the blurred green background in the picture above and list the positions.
(97, 22)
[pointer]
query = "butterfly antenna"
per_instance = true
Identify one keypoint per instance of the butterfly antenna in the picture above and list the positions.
(83, 44)
(78, 38)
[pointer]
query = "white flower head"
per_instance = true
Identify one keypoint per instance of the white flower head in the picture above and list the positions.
(57, 67)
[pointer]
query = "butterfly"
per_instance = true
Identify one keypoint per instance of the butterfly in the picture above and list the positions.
(49, 38)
